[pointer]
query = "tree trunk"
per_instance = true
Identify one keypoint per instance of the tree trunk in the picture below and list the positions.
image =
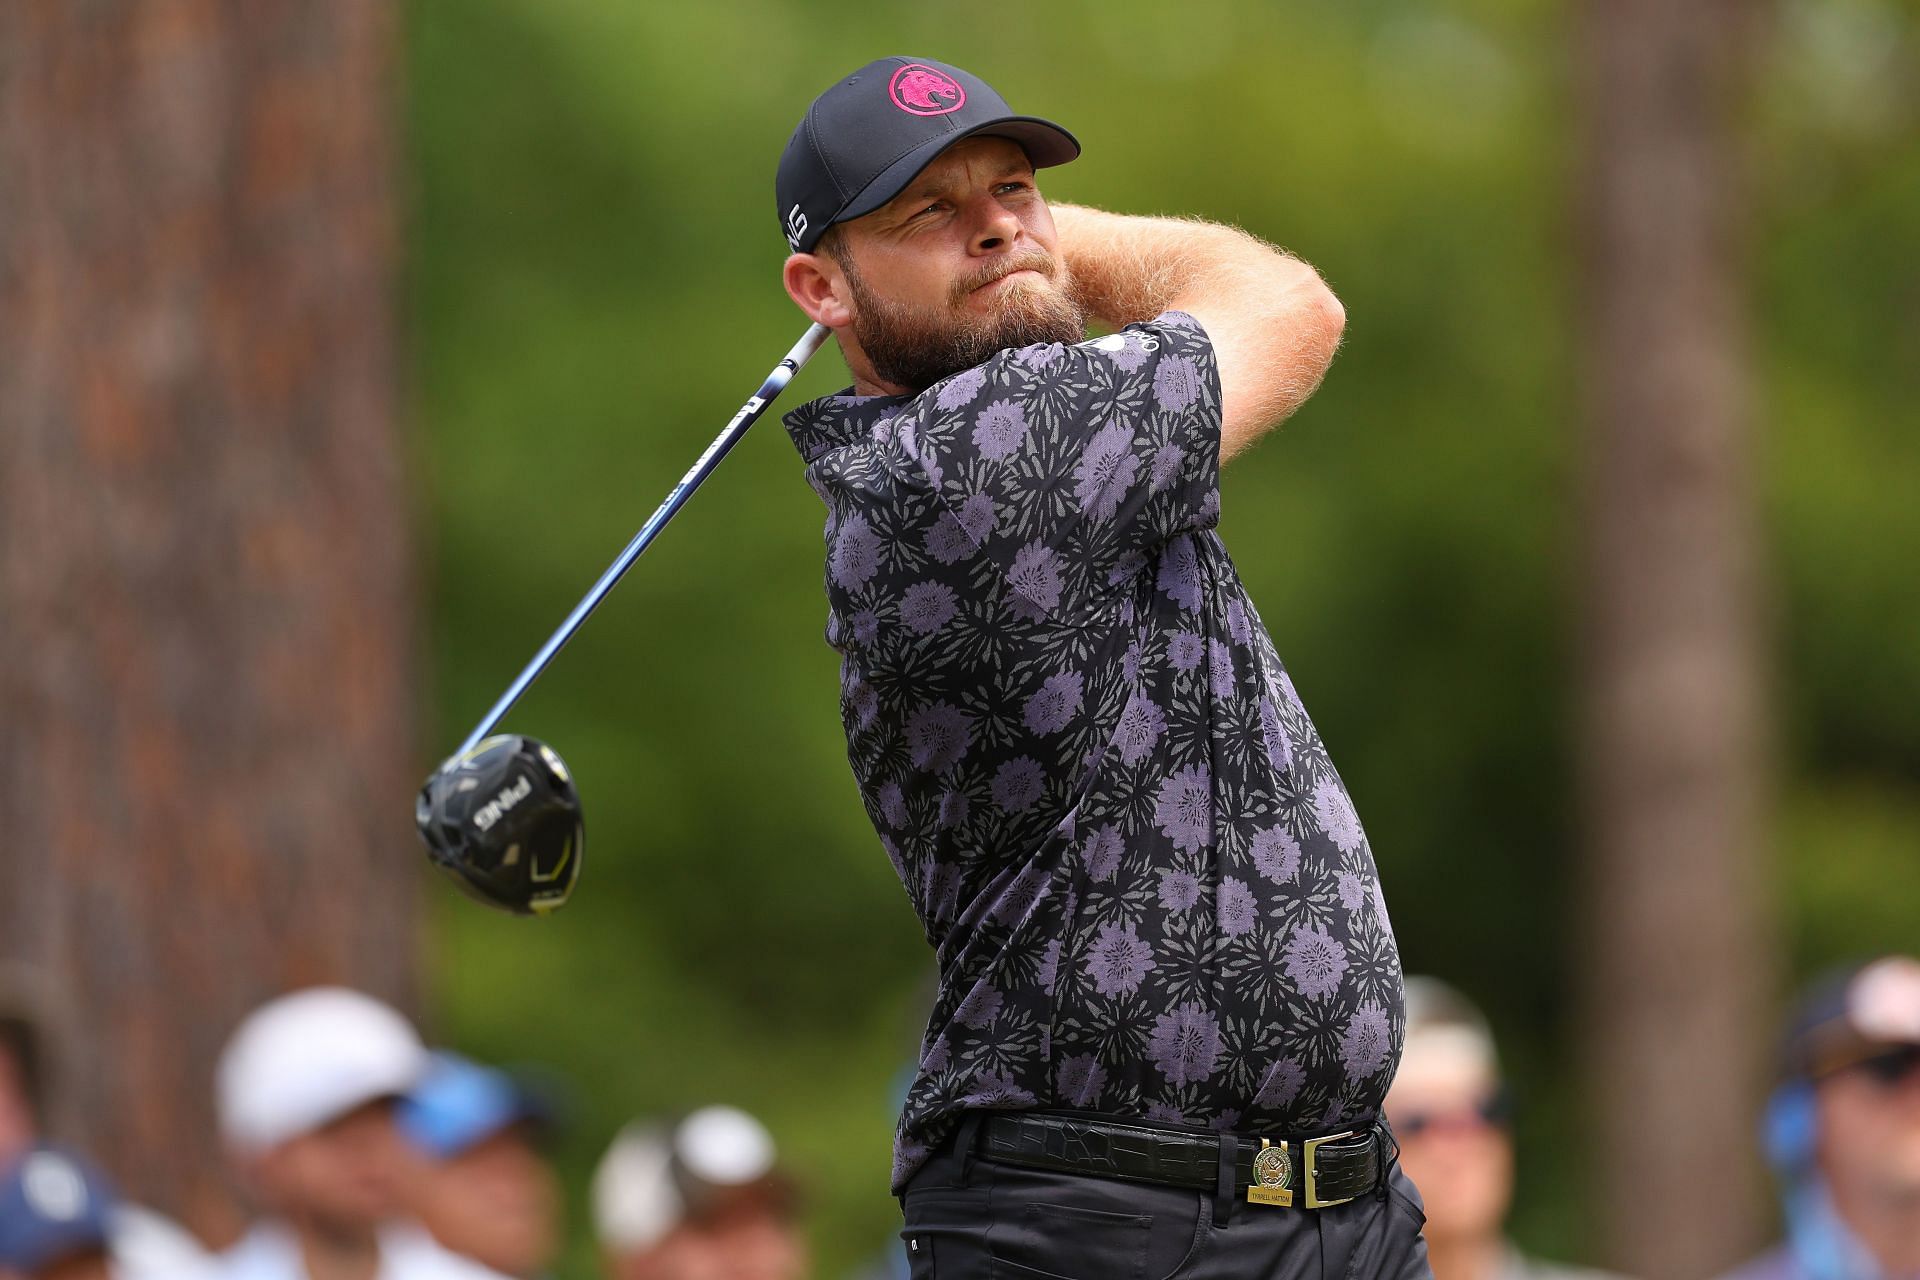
(1674, 730)
(204, 565)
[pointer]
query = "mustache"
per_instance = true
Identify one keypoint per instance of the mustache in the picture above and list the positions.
(1030, 260)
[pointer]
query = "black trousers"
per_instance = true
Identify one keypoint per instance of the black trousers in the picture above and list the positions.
(970, 1219)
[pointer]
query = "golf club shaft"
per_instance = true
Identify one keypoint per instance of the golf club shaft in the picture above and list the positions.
(703, 467)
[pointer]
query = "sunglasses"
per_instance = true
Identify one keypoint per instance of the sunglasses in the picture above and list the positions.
(1892, 1067)
(1489, 1113)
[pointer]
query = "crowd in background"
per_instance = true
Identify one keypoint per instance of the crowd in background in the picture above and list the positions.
(362, 1154)
(365, 1155)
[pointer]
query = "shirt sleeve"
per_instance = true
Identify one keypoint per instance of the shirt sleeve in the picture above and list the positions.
(1070, 466)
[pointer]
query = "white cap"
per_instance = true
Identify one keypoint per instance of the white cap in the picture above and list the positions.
(302, 1060)
(1449, 1046)
(724, 1146)
(637, 1195)
(1883, 1000)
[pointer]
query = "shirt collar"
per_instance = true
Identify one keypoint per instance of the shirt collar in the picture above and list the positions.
(835, 421)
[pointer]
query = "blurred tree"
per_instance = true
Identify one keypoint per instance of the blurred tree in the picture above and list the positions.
(1676, 968)
(204, 564)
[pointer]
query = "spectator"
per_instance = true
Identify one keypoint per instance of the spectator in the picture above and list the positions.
(485, 1189)
(19, 1082)
(702, 1200)
(1448, 1109)
(1843, 1129)
(306, 1089)
(142, 1243)
(56, 1218)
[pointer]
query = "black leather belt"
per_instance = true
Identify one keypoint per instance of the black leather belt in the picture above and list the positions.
(1310, 1173)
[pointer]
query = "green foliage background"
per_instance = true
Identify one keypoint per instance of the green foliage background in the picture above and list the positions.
(592, 289)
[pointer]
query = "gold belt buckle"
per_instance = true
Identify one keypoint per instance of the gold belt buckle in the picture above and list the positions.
(1273, 1173)
(1310, 1152)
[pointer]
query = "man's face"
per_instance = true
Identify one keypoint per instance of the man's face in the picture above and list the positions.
(1869, 1126)
(343, 1176)
(748, 1241)
(17, 1125)
(961, 264)
(496, 1202)
(88, 1264)
(757, 1242)
(1461, 1159)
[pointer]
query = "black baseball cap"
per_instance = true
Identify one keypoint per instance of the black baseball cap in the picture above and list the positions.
(863, 140)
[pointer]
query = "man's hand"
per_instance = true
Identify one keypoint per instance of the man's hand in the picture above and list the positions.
(1274, 323)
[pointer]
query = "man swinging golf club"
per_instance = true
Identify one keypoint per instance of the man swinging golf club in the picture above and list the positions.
(1170, 1000)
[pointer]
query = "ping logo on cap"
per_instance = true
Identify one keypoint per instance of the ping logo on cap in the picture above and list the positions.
(920, 89)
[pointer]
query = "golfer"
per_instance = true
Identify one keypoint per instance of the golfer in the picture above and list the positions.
(1169, 1001)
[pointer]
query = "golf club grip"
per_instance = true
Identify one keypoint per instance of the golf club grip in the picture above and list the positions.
(749, 413)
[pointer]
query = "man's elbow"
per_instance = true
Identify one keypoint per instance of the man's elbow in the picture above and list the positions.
(1319, 311)
(1307, 340)
(1333, 315)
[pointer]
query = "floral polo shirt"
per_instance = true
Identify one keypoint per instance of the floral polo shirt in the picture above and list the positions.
(1144, 882)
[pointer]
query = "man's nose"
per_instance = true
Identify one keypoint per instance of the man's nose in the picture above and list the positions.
(994, 229)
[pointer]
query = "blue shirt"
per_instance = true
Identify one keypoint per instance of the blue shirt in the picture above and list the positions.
(1145, 885)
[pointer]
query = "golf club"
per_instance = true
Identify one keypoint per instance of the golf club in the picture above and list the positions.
(501, 813)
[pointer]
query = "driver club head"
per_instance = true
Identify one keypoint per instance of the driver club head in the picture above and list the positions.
(504, 820)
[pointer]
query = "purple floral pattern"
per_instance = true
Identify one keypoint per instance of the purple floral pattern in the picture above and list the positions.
(1141, 724)
(1184, 809)
(1000, 430)
(1238, 913)
(1118, 960)
(1018, 783)
(1315, 960)
(1337, 818)
(1055, 705)
(1176, 383)
(1106, 472)
(1276, 854)
(1180, 573)
(938, 735)
(856, 553)
(1366, 1042)
(1237, 626)
(1179, 890)
(1120, 829)
(1167, 460)
(1220, 669)
(927, 607)
(1186, 650)
(1101, 856)
(1274, 735)
(1185, 1044)
(1281, 1084)
(980, 1008)
(1080, 1080)
(961, 389)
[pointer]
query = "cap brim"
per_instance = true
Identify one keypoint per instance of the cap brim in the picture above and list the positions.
(1849, 1048)
(453, 1129)
(1045, 143)
(70, 1241)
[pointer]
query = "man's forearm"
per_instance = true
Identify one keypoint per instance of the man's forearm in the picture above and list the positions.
(1274, 323)
(1128, 268)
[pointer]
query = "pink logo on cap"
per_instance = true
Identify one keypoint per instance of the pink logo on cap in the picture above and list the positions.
(923, 91)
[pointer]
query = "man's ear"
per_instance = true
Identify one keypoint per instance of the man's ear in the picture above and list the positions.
(817, 287)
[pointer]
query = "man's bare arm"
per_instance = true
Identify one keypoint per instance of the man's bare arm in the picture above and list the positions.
(1274, 323)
